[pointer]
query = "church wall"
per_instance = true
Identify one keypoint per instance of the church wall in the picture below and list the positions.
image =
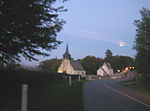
(82, 73)
(67, 67)
(60, 69)
(64, 66)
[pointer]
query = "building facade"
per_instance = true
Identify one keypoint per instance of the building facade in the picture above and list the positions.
(105, 70)
(70, 66)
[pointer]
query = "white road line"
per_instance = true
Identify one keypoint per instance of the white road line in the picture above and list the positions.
(126, 95)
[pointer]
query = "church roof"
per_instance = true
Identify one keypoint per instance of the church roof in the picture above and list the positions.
(76, 65)
(66, 55)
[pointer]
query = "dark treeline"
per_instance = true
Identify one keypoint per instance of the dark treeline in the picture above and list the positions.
(50, 65)
(120, 62)
(142, 44)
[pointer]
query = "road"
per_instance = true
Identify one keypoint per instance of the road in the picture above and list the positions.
(109, 95)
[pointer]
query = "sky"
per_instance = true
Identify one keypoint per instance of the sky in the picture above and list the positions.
(93, 26)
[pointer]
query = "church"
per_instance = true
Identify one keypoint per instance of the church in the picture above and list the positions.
(70, 66)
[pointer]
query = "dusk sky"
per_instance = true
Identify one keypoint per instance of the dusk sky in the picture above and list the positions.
(93, 26)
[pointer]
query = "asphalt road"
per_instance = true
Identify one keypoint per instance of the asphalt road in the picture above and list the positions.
(109, 95)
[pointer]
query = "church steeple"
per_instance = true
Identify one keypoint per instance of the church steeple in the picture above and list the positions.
(66, 55)
(67, 51)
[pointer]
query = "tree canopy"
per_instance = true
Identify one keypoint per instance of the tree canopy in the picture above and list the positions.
(142, 43)
(108, 53)
(50, 65)
(120, 62)
(90, 64)
(28, 28)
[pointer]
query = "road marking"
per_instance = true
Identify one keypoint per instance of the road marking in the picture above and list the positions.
(126, 95)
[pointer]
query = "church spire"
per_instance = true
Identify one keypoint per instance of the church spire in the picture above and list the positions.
(66, 55)
(67, 51)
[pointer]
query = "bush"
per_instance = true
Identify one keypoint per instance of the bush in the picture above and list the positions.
(11, 81)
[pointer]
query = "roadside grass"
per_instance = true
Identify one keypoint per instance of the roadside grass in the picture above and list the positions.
(141, 85)
(58, 97)
(138, 86)
(47, 91)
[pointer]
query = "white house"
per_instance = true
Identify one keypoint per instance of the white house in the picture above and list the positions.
(105, 70)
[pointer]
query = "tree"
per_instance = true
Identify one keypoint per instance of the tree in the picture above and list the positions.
(90, 64)
(108, 53)
(120, 62)
(100, 61)
(50, 65)
(28, 28)
(142, 43)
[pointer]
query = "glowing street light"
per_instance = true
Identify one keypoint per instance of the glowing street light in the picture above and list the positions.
(118, 70)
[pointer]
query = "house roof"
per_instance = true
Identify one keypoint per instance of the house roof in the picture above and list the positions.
(107, 65)
(76, 65)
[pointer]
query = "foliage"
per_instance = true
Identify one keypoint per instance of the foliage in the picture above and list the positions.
(11, 81)
(90, 64)
(142, 43)
(26, 27)
(46, 91)
(108, 53)
(10, 66)
(141, 85)
(50, 65)
(120, 62)
(100, 61)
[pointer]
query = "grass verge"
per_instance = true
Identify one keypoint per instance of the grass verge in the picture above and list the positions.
(57, 97)
(140, 85)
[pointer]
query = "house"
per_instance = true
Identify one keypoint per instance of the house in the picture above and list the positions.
(70, 66)
(105, 70)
